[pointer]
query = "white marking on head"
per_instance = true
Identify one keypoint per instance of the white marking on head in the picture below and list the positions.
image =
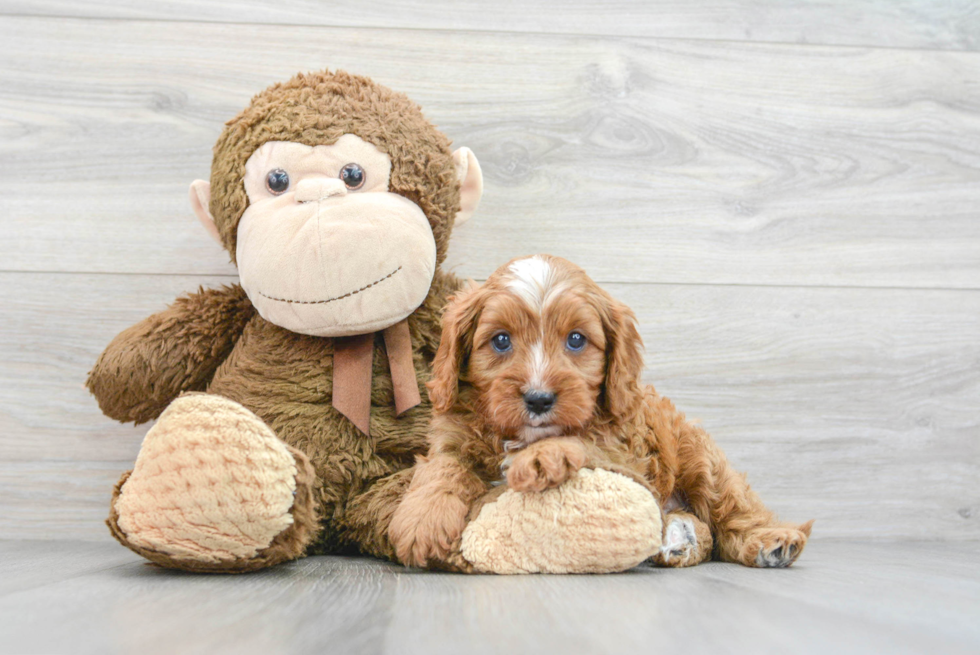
(554, 292)
(532, 278)
(539, 365)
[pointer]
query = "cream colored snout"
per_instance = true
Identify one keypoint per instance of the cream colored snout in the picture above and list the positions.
(313, 189)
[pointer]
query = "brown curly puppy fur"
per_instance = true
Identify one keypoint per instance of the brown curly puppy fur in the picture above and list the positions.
(567, 338)
(214, 341)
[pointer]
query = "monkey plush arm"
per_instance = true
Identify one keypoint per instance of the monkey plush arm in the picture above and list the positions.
(176, 350)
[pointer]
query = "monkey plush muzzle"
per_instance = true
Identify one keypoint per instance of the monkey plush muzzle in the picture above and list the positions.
(319, 256)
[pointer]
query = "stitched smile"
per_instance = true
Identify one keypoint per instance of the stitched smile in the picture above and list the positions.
(346, 295)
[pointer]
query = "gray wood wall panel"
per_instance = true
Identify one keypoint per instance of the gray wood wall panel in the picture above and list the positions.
(797, 226)
(853, 406)
(947, 24)
(693, 161)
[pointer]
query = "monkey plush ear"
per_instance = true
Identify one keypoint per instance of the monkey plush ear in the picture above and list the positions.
(470, 183)
(200, 200)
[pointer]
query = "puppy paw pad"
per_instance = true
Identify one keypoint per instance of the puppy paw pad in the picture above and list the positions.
(779, 548)
(679, 539)
(777, 558)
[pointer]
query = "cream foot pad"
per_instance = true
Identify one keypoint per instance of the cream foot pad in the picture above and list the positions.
(597, 522)
(212, 483)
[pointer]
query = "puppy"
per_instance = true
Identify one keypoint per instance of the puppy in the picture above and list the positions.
(538, 375)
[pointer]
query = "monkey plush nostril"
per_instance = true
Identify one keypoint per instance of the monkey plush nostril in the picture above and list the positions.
(539, 402)
(321, 188)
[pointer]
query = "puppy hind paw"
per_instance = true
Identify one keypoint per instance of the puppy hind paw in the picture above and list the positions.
(777, 558)
(680, 544)
(779, 547)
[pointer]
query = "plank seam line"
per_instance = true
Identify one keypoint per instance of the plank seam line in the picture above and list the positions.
(652, 283)
(590, 35)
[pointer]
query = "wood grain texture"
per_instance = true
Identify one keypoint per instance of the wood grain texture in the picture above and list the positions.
(841, 597)
(678, 161)
(950, 25)
(31, 564)
(797, 227)
(857, 407)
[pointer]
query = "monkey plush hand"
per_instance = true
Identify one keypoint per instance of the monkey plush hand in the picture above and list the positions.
(290, 406)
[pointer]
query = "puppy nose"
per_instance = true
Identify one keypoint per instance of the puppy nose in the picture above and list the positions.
(319, 188)
(539, 402)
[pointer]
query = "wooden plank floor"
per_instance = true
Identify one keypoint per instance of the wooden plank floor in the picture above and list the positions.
(842, 597)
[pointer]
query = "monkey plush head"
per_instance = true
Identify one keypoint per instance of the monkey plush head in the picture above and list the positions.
(335, 198)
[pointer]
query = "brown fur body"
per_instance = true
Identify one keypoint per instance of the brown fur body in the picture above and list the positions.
(214, 341)
(285, 379)
(609, 421)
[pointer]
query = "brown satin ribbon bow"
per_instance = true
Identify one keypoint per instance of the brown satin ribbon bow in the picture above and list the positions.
(352, 362)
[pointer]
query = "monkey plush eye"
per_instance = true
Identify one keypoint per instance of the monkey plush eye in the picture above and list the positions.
(501, 342)
(277, 181)
(575, 341)
(353, 176)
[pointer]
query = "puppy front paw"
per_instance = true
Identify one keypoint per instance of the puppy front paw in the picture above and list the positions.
(426, 528)
(546, 464)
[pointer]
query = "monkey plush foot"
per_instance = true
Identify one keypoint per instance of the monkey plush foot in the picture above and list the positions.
(596, 522)
(214, 489)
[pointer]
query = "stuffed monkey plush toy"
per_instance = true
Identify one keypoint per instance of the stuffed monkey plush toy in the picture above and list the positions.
(290, 407)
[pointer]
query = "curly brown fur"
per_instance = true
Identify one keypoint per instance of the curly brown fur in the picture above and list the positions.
(483, 423)
(151, 363)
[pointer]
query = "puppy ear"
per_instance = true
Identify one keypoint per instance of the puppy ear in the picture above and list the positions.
(458, 325)
(624, 358)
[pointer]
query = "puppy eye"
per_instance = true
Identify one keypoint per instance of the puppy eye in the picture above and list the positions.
(501, 342)
(353, 176)
(277, 181)
(575, 341)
